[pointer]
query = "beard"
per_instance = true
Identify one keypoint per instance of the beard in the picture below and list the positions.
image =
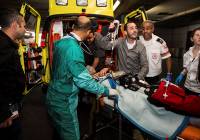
(132, 36)
(147, 36)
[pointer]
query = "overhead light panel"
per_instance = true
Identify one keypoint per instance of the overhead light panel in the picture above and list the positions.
(116, 4)
(82, 2)
(61, 2)
(101, 3)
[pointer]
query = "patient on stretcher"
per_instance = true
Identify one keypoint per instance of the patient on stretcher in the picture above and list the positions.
(183, 120)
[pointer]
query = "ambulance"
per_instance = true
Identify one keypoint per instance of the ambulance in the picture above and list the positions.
(36, 57)
(29, 51)
(62, 14)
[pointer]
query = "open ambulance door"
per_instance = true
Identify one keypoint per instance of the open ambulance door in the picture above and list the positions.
(62, 16)
(30, 53)
(138, 16)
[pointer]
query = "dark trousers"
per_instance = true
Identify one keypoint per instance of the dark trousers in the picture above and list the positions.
(13, 132)
(153, 80)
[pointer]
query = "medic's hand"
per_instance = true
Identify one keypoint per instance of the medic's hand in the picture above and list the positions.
(113, 92)
(179, 79)
(103, 72)
(91, 69)
(169, 77)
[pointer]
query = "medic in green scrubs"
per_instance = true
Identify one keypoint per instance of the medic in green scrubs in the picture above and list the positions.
(68, 75)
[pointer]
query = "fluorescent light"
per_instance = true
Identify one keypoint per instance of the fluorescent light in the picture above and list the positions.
(102, 3)
(61, 2)
(116, 4)
(82, 2)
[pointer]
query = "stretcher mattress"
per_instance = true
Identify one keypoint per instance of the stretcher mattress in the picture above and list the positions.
(153, 120)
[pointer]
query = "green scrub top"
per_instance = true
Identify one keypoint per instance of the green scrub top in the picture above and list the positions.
(68, 75)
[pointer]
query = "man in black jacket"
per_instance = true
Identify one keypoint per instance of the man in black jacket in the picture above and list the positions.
(12, 78)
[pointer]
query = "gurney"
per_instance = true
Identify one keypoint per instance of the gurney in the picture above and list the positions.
(155, 121)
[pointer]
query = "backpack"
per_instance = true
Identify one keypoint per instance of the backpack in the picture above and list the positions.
(174, 98)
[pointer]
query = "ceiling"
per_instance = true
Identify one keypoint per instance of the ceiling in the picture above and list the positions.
(166, 13)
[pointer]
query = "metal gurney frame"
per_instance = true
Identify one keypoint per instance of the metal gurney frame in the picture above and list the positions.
(107, 112)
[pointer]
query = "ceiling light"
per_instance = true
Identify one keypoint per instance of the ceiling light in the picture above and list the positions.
(82, 2)
(116, 4)
(102, 3)
(61, 2)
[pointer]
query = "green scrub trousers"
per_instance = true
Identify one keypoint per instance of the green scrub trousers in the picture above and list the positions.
(68, 75)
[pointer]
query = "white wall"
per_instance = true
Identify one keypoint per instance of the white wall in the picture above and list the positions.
(176, 41)
(176, 37)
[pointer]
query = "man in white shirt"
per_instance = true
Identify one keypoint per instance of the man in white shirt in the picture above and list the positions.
(157, 50)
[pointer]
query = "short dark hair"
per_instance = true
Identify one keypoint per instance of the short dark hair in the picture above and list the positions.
(129, 21)
(8, 16)
(79, 25)
(193, 31)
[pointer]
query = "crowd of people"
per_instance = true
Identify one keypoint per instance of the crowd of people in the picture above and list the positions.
(73, 67)
(142, 58)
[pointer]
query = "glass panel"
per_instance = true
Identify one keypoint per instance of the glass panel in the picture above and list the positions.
(30, 21)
